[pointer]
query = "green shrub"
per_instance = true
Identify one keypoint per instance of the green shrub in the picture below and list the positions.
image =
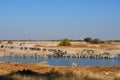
(10, 42)
(65, 42)
(88, 39)
(0, 42)
(93, 41)
(109, 42)
(96, 41)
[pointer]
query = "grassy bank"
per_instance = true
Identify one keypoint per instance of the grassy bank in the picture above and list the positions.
(54, 74)
(13, 71)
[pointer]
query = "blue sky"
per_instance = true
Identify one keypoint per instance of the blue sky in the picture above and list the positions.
(57, 19)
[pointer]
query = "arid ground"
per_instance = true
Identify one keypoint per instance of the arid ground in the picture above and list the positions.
(15, 71)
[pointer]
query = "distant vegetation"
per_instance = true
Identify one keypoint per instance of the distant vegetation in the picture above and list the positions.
(0, 42)
(93, 41)
(109, 41)
(10, 42)
(65, 42)
(115, 40)
(96, 41)
(88, 40)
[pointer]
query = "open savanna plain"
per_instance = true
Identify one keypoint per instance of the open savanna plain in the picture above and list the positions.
(38, 71)
(79, 45)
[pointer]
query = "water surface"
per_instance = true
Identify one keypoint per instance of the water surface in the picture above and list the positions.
(67, 61)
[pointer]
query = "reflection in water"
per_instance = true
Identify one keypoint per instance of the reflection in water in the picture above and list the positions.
(67, 61)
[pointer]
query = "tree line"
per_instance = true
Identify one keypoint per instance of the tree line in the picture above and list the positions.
(67, 42)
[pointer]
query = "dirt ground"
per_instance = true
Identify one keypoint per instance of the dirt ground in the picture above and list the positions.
(7, 68)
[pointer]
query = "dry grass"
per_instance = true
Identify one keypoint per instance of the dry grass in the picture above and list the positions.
(56, 74)
(88, 46)
(108, 46)
(39, 72)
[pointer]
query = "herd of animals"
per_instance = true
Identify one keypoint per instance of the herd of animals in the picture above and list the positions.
(24, 51)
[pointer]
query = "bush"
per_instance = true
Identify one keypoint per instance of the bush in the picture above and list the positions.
(96, 41)
(65, 42)
(0, 42)
(10, 42)
(109, 42)
(93, 41)
(88, 39)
